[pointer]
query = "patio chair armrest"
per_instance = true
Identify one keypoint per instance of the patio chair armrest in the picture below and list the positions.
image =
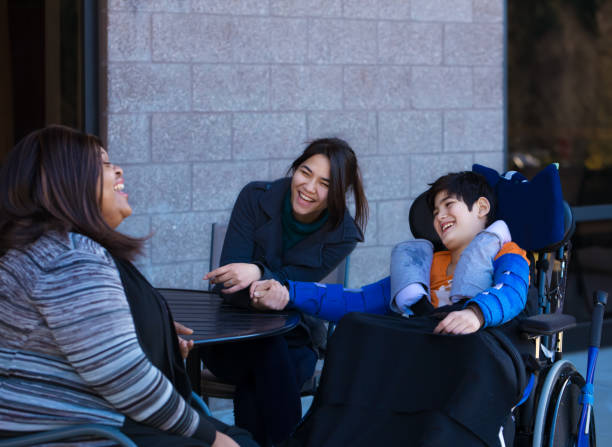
(67, 433)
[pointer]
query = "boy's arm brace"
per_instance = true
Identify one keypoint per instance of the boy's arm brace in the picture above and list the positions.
(332, 301)
(506, 299)
(410, 273)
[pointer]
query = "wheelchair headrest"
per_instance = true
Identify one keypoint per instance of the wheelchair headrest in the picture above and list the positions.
(534, 210)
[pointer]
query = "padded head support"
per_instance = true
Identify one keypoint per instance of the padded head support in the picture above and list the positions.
(533, 210)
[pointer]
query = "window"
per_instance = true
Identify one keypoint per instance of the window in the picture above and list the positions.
(559, 99)
(50, 60)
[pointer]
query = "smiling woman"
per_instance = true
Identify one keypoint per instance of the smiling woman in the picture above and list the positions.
(72, 301)
(295, 228)
(115, 206)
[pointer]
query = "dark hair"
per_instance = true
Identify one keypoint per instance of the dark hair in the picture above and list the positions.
(345, 175)
(51, 181)
(467, 186)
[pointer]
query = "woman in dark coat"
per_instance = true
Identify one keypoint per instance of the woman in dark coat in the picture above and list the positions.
(294, 228)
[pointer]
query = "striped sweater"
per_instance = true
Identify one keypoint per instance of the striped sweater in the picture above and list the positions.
(68, 348)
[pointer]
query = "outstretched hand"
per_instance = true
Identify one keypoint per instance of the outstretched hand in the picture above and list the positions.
(460, 322)
(184, 345)
(269, 294)
(235, 276)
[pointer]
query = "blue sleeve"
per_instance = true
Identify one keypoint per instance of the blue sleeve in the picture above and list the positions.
(506, 299)
(332, 301)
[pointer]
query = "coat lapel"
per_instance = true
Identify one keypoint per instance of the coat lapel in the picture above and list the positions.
(268, 234)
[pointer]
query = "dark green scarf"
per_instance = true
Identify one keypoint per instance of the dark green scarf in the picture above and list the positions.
(294, 231)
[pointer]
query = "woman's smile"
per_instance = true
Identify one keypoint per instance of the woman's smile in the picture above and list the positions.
(309, 188)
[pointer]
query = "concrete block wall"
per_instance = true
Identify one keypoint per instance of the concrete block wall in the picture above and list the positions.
(207, 95)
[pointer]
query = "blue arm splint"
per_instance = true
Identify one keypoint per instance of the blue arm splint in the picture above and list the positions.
(332, 301)
(506, 299)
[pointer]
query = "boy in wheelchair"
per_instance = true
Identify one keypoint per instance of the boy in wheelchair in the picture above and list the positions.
(482, 274)
(394, 381)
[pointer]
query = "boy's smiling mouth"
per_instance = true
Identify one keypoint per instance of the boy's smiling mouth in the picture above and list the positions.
(446, 226)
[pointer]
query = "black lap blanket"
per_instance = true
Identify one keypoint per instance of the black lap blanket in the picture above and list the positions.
(388, 381)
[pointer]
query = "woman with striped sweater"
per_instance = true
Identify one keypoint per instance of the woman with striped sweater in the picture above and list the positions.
(84, 338)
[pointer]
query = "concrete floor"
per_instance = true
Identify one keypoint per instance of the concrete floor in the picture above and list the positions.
(222, 409)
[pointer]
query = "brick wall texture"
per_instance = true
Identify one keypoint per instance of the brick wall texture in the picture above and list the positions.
(207, 95)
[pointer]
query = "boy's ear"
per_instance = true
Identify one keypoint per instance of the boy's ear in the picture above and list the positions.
(484, 206)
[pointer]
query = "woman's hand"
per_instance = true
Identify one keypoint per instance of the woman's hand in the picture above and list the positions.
(222, 440)
(234, 277)
(461, 322)
(269, 294)
(184, 345)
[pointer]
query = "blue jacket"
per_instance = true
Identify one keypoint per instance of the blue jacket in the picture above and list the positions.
(499, 303)
(254, 235)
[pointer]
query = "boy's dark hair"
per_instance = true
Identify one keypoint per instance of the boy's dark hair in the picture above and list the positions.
(467, 186)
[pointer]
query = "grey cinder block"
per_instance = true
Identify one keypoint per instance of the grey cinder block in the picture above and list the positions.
(442, 10)
(376, 87)
(158, 188)
(129, 138)
(230, 87)
(295, 87)
(473, 44)
(410, 132)
(129, 36)
(306, 7)
(217, 184)
(191, 137)
(336, 41)
(410, 43)
(358, 128)
(143, 87)
(267, 135)
(473, 130)
(442, 87)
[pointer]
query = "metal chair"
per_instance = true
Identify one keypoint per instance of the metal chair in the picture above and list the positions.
(98, 430)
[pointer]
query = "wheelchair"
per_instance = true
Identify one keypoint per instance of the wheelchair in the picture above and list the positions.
(554, 402)
(557, 405)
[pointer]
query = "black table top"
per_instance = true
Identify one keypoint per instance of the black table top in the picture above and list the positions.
(215, 321)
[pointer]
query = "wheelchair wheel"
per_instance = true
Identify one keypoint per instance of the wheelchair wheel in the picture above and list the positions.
(558, 410)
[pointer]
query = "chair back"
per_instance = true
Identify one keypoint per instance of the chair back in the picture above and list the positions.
(339, 275)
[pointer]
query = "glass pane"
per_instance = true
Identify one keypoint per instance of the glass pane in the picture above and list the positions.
(560, 110)
(41, 84)
(560, 93)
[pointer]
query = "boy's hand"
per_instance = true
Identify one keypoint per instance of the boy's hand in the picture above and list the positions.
(269, 294)
(460, 322)
(235, 276)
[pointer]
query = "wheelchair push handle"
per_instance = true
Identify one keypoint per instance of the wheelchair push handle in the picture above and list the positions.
(600, 299)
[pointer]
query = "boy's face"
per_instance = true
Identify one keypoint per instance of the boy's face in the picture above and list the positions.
(454, 223)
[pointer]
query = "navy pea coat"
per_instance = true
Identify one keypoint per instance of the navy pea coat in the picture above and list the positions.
(254, 235)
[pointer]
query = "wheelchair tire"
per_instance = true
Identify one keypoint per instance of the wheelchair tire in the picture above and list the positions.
(558, 408)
